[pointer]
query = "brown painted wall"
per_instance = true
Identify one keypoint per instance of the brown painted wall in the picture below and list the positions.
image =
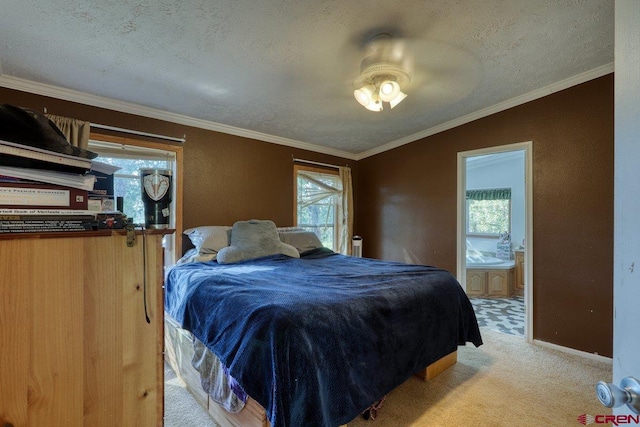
(406, 198)
(407, 204)
(226, 178)
(229, 178)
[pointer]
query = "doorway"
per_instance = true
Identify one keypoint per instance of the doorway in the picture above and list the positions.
(494, 262)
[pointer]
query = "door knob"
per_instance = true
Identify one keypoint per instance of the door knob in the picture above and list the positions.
(612, 396)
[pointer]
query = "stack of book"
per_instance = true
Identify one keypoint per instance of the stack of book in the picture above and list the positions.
(44, 191)
(45, 221)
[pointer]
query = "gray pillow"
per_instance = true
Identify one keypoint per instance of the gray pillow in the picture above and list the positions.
(254, 239)
(302, 240)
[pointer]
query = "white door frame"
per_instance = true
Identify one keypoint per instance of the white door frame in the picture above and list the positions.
(528, 246)
(626, 197)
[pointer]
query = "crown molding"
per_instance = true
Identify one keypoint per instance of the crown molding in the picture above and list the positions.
(505, 105)
(126, 107)
(139, 110)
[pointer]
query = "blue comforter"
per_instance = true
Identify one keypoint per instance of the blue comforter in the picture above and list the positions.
(317, 340)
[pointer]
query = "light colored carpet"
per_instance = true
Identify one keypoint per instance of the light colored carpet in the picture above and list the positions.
(180, 408)
(505, 382)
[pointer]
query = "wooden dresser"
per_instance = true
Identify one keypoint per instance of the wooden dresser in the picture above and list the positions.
(76, 348)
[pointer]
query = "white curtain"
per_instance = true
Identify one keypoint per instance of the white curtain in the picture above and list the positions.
(76, 131)
(338, 190)
(346, 230)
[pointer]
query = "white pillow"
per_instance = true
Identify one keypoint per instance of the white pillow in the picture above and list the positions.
(209, 239)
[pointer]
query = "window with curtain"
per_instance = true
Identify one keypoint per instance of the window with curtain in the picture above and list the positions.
(131, 158)
(489, 211)
(323, 203)
(318, 197)
(127, 180)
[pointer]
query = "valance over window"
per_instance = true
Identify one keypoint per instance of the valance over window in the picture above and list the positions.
(489, 194)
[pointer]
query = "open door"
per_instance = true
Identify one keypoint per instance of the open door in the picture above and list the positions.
(490, 263)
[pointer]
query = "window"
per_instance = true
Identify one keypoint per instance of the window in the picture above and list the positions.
(317, 197)
(131, 157)
(489, 211)
(126, 182)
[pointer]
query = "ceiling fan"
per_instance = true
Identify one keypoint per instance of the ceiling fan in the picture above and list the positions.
(384, 74)
(396, 67)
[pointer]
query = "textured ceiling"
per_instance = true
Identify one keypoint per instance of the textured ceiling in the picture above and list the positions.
(284, 69)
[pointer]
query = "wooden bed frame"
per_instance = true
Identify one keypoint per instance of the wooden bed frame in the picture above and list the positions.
(179, 353)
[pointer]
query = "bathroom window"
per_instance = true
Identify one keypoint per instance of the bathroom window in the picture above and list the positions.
(489, 211)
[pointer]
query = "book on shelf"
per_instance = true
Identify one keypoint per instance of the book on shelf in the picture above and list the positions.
(39, 218)
(46, 220)
(45, 212)
(46, 225)
(42, 196)
(65, 179)
(26, 156)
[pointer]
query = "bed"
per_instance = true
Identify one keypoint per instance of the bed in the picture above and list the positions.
(309, 336)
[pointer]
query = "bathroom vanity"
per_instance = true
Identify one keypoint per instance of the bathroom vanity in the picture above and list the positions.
(491, 281)
(519, 274)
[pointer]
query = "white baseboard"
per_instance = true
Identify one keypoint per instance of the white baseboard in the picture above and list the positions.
(593, 356)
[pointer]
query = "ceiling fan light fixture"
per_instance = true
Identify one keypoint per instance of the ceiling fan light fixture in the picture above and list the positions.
(374, 105)
(389, 90)
(364, 95)
(380, 82)
(368, 97)
(398, 99)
